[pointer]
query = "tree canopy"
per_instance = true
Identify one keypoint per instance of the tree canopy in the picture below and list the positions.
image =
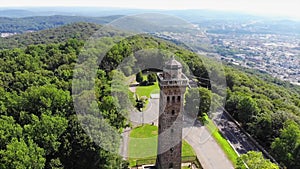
(254, 160)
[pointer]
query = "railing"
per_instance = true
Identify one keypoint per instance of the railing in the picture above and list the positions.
(173, 82)
(183, 80)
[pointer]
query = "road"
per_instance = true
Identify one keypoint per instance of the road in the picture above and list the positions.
(233, 134)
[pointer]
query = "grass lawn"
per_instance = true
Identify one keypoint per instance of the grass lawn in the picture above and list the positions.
(147, 90)
(229, 151)
(143, 144)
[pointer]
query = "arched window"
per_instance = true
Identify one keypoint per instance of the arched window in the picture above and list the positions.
(178, 98)
(173, 112)
(173, 98)
(168, 99)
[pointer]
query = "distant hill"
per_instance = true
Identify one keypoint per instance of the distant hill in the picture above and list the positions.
(81, 31)
(36, 23)
(16, 13)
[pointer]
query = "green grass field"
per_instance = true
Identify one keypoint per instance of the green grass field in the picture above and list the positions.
(147, 90)
(229, 151)
(143, 144)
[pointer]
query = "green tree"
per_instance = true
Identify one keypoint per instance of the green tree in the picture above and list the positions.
(46, 131)
(110, 110)
(286, 147)
(254, 160)
(79, 151)
(205, 100)
(261, 127)
(247, 108)
(46, 98)
(198, 101)
(139, 77)
(19, 154)
(231, 103)
(241, 107)
(9, 129)
(151, 77)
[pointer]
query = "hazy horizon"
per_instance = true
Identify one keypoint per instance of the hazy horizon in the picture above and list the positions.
(287, 8)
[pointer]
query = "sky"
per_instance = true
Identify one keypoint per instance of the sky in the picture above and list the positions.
(261, 7)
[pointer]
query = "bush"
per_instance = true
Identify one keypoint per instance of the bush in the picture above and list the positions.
(151, 77)
(139, 77)
(146, 83)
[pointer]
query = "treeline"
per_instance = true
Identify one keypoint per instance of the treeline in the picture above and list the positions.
(37, 23)
(80, 31)
(267, 78)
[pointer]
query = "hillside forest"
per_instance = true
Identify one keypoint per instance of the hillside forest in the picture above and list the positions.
(39, 125)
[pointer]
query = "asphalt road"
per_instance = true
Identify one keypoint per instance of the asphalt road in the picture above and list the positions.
(233, 134)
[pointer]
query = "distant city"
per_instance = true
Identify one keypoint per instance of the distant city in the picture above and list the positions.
(273, 53)
(278, 55)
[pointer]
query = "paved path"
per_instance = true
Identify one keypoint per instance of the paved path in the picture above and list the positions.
(149, 116)
(209, 153)
(124, 143)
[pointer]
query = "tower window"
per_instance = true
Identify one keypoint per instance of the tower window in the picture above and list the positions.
(168, 99)
(173, 98)
(173, 112)
(178, 98)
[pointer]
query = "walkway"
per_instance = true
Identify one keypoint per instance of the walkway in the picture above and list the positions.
(209, 153)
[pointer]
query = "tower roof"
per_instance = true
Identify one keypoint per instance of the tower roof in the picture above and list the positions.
(173, 63)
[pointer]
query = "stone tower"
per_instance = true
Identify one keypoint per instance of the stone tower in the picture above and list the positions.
(172, 83)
